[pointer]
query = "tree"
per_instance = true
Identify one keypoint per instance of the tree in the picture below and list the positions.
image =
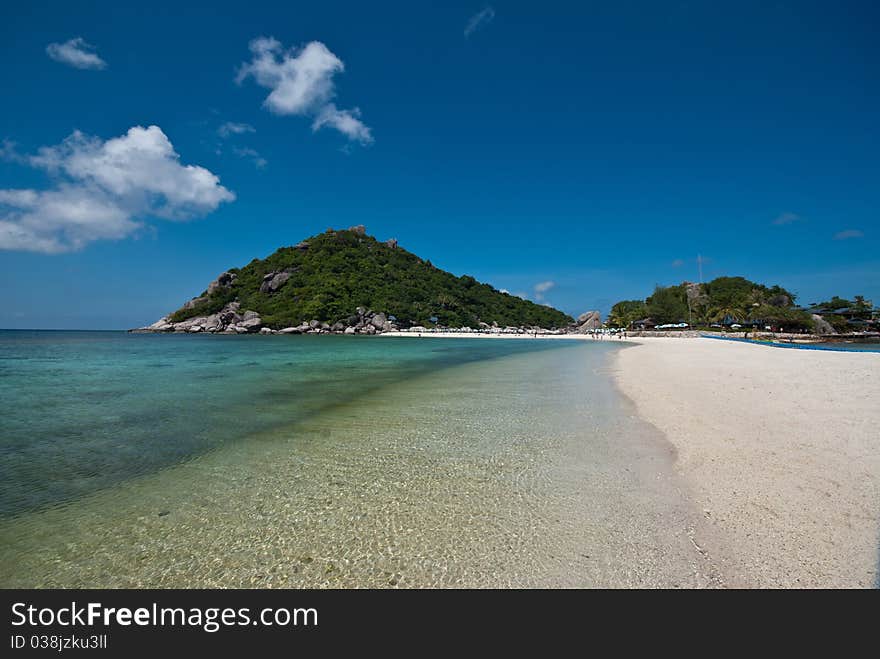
(626, 311)
(668, 305)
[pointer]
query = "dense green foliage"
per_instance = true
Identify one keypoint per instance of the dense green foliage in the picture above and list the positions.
(723, 300)
(626, 311)
(339, 271)
(859, 307)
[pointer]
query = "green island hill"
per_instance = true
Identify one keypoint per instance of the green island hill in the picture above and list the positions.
(347, 282)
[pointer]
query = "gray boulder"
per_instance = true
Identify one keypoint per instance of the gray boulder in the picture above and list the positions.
(590, 320)
(822, 326)
(273, 281)
(251, 321)
(225, 280)
(161, 325)
(192, 303)
(380, 322)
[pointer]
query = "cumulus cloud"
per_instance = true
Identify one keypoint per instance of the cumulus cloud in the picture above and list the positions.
(302, 84)
(232, 128)
(541, 288)
(848, 233)
(102, 190)
(787, 218)
(478, 20)
(76, 53)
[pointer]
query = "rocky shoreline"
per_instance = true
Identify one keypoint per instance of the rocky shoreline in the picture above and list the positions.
(231, 319)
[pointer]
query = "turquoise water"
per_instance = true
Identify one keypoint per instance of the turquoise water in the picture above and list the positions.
(185, 461)
(81, 411)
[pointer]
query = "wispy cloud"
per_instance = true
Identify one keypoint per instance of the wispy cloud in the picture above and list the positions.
(346, 122)
(479, 20)
(848, 233)
(232, 128)
(77, 53)
(302, 84)
(252, 154)
(102, 190)
(787, 218)
(541, 288)
(9, 153)
(677, 263)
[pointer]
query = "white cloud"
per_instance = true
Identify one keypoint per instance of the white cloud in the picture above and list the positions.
(302, 84)
(9, 153)
(677, 263)
(849, 233)
(254, 156)
(346, 122)
(787, 218)
(77, 53)
(541, 288)
(232, 128)
(478, 20)
(102, 190)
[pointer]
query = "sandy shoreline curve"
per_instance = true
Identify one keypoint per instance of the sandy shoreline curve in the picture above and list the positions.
(780, 449)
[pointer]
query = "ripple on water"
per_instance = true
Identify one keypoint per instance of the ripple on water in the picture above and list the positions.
(526, 470)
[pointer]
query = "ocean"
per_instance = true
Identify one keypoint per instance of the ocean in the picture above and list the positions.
(133, 460)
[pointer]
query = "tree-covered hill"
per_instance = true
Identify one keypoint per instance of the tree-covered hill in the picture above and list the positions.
(328, 276)
(722, 300)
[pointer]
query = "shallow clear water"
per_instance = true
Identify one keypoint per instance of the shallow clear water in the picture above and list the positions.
(80, 411)
(333, 462)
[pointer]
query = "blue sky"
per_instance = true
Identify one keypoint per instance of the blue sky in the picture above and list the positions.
(577, 153)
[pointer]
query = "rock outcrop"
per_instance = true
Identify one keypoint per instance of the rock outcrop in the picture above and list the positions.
(821, 325)
(223, 281)
(229, 321)
(274, 280)
(587, 322)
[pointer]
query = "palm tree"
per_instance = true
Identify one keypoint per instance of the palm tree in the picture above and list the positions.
(727, 313)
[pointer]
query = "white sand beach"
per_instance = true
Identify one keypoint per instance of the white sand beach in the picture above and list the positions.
(781, 449)
(485, 335)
